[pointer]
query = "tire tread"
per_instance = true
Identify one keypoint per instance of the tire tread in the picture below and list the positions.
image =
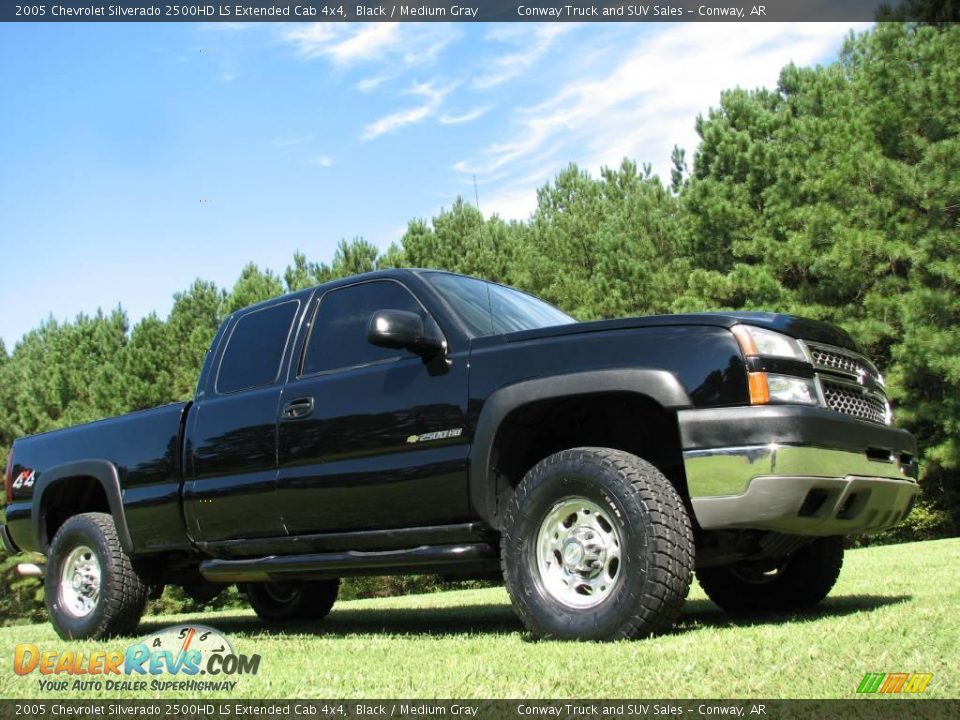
(669, 538)
(123, 600)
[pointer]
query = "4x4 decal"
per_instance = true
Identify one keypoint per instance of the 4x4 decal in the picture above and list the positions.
(25, 479)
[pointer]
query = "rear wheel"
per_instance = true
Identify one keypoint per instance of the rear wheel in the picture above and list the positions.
(596, 545)
(293, 600)
(799, 580)
(92, 588)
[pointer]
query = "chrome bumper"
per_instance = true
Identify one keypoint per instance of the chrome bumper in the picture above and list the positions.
(799, 490)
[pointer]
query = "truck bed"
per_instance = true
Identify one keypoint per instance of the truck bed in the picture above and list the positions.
(145, 448)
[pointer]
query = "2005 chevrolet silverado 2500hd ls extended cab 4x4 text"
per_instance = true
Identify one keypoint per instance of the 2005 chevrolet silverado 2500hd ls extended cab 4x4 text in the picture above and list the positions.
(416, 421)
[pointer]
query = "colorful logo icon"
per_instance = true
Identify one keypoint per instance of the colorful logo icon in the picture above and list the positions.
(893, 683)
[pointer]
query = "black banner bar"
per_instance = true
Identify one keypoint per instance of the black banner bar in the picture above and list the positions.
(886, 708)
(466, 11)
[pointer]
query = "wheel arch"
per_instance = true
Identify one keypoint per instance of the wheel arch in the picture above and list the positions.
(501, 434)
(95, 485)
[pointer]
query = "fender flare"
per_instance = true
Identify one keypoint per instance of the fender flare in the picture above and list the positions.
(661, 386)
(104, 473)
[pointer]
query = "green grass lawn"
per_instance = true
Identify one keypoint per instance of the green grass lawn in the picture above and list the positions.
(895, 609)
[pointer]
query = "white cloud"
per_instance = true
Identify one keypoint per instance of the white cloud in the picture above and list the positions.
(391, 51)
(348, 44)
(371, 83)
(322, 161)
(643, 103)
(370, 41)
(389, 123)
(535, 44)
(465, 117)
(432, 100)
(289, 139)
(513, 204)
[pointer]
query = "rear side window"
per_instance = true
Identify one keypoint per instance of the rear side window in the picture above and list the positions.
(339, 335)
(255, 348)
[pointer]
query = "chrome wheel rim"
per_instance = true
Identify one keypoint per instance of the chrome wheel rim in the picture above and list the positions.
(80, 582)
(579, 552)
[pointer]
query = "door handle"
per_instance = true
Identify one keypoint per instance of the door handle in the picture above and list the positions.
(297, 409)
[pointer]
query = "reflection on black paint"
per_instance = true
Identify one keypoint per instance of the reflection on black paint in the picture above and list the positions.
(352, 464)
(238, 450)
(233, 466)
(705, 359)
(341, 438)
(726, 387)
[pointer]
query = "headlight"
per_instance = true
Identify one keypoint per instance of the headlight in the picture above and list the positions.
(768, 387)
(759, 341)
(788, 389)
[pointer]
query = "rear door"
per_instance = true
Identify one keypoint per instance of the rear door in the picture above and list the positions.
(231, 453)
(370, 438)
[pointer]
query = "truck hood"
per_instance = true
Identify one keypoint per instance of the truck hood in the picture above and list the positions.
(792, 325)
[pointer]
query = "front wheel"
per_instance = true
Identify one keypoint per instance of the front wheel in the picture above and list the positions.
(293, 599)
(798, 581)
(597, 545)
(92, 588)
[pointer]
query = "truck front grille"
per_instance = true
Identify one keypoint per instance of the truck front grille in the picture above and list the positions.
(850, 383)
(854, 401)
(849, 364)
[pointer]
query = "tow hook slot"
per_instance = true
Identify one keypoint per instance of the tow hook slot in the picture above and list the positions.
(853, 505)
(813, 503)
(880, 455)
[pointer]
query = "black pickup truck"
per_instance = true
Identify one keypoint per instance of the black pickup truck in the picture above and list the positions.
(415, 421)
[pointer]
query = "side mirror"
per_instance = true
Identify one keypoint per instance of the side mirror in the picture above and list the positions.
(401, 329)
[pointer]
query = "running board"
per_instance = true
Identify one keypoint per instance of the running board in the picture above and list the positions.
(473, 557)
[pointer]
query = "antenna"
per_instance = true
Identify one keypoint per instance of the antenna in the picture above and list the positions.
(481, 240)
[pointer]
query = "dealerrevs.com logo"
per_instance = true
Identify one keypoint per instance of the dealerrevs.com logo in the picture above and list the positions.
(186, 658)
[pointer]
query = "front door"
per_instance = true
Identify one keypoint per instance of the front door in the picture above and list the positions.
(369, 437)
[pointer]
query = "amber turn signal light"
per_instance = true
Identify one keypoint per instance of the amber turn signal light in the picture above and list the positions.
(759, 388)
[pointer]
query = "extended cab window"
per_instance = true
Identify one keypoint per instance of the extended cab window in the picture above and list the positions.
(255, 348)
(339, 335)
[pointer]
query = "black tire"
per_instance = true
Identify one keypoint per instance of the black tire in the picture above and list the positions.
(649, 530)
(798, 581)
(293, 600)
(122, 593)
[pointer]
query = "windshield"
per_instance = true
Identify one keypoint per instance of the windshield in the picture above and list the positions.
(490, 309)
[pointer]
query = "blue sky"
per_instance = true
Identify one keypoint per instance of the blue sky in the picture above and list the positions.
(137, 157)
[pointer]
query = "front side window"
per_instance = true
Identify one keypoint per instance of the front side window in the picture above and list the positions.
(255, 348)
(489, 309)
(338, 338)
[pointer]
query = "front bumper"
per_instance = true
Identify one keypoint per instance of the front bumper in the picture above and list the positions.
(806, 471)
